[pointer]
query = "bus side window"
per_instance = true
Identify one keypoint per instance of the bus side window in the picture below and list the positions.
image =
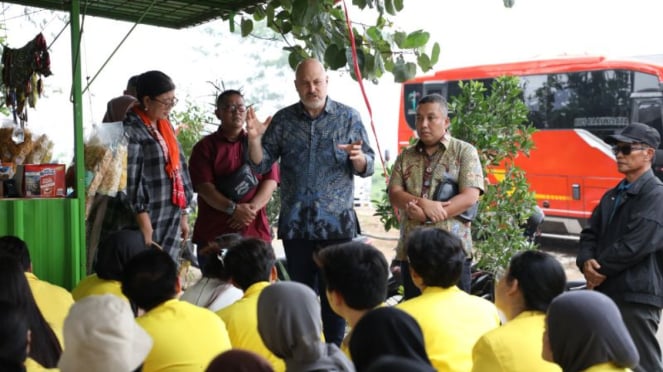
(648, 111)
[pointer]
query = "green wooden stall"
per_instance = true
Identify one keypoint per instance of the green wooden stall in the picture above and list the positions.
(54, 229)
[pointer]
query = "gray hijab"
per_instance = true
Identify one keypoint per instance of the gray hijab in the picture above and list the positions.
(290, 326)
(585, 328)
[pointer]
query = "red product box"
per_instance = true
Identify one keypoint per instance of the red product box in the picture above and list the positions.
(42, 180)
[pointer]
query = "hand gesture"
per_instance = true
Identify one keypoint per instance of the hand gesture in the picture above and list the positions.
(244, 214)
(434, 210)
(254, 127)
(355, 154)
(592, 276)
(184, 227)
(414, 211)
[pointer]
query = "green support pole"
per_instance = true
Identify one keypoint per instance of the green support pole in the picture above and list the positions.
(78, 252)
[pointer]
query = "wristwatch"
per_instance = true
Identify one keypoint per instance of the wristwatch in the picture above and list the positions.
(231, 208)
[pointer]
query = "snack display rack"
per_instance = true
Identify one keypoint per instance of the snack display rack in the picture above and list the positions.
(54, 228)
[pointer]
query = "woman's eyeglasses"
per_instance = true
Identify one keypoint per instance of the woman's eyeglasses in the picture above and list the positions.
(627, 148)
(170, 103)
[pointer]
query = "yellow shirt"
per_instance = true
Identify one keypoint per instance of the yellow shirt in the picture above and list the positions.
(93, 285)
(514, 347)
(606, 367)
(452, 321)
(53, 302)
(241, 320)
(186, 337)
(33, 366)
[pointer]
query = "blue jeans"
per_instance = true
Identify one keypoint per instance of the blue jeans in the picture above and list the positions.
(410, 290)
(302, 268)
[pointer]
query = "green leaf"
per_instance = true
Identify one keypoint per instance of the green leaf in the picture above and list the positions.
(303, 11)
(246, 26)
(398, 4)
(259, 14)
(389, 7)
(435, 54)
(335, 57)
(286, 27)
(404, 71)
(424, 62)
(360, 3)
(297, 54)
(416, 39)
(360, 61)
(378, 65)
(374, 33)
(389, 65)
(285, 4)
(399, 39)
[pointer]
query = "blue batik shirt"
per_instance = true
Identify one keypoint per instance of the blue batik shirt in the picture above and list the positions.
(317, 178)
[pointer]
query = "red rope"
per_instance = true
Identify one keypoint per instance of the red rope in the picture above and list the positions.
(361, 86)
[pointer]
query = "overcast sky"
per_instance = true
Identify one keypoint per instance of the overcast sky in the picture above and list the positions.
(469, 32)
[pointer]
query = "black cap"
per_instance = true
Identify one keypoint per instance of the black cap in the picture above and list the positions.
(637, 133)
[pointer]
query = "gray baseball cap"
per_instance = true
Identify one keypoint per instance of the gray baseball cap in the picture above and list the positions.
(637, 133)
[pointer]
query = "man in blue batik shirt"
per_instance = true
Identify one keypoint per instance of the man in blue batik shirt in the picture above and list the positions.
(321, 144)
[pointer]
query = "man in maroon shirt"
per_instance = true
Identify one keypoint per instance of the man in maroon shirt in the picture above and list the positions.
(215, 160)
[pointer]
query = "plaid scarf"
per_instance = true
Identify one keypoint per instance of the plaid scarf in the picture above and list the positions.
(166, 137)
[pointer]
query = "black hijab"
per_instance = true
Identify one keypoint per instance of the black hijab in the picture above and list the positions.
(115, 251)
(585, 328)
(387, 331)
(390, 363)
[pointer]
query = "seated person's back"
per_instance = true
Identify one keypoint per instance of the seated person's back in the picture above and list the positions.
(101, 335)
(532, 280)
(451, 320)
(214, 290)
(113, 253)
(250, 263)
(186, 337)
(53, 301)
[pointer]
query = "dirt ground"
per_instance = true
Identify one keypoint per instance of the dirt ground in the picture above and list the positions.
(372, 228)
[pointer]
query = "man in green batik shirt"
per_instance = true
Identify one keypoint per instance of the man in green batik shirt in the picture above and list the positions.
(418, 171)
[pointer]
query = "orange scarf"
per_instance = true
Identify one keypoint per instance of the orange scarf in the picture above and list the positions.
(173, 160)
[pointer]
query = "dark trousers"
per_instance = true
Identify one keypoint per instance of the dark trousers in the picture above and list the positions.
(410, 290)
(302, 268)
(642, 323)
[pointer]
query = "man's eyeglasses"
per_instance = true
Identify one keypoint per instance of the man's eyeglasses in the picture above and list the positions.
(627, 148)
(233, 108)
(170, 103)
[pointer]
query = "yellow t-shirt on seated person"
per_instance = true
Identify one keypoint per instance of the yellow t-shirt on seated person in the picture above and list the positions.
(186, 337)
(53, 302)
(94, 285)
(241, 320)
(515, 347)
(452, 321)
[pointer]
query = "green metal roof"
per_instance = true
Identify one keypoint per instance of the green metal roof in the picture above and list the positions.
(164, 13)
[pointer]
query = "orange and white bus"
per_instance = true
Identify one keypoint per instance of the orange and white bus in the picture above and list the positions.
(574, 103)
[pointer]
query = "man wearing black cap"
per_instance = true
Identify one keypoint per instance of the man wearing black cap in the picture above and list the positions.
(621, 249)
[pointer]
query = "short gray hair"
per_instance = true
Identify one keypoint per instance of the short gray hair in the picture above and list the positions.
(436, 98)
